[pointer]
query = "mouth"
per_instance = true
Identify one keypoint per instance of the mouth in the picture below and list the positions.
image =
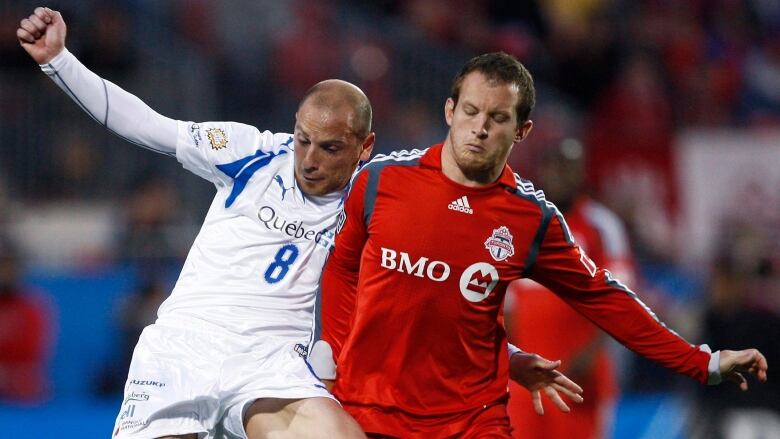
(474, 147)
(310, 179)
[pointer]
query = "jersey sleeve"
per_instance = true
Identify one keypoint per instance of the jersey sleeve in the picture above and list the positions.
(340, 277)
(217, 151)
(222, 152)
(564, 268)
(120, 112)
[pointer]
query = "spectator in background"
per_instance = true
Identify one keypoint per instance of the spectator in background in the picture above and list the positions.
(25, 334)
(76, 170)
(630, 161)
(149, 241)
(110, 50)
(540, 321)
(760, 98)
(583, 45)
(313, 39)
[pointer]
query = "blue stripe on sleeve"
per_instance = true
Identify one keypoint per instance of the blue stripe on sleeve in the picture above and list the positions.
(242, 170)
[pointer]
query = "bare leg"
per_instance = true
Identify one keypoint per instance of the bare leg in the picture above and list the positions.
(309, 418)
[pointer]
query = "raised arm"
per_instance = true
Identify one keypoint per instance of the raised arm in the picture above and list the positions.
(42, 35)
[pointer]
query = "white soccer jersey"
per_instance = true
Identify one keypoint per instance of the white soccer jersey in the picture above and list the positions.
(256, 263)
(233, 328)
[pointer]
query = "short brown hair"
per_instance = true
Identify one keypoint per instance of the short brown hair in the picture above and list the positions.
(503, 68)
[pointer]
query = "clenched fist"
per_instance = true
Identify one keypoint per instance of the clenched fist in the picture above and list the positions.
(42, 34)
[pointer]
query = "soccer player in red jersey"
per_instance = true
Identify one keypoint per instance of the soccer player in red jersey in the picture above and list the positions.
(413, 293)
(541, 322)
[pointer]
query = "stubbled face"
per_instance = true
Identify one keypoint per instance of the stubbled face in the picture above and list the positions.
(327, 151)
(483, 126)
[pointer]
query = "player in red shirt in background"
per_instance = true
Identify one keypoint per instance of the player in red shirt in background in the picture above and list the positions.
(540, 321)
(413, 294)
(25, 335)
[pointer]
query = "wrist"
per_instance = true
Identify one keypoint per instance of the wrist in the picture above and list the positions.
(512, 349)
(713, 367)
(57, 60)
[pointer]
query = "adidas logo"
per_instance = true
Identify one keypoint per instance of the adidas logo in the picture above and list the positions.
(461, 205)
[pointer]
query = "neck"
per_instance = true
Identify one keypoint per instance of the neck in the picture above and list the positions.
(454, 172)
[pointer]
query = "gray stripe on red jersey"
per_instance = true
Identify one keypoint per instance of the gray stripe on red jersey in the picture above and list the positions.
(375, 167)
(526, 191)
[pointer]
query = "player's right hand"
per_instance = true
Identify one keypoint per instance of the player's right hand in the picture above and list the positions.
(540, 375)
(42, 34)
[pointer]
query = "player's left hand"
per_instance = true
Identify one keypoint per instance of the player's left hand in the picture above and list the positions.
(539, 375)
(734, 363)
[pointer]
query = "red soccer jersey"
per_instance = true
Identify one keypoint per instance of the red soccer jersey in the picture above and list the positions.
(24, 342)
(544, 324)
(412, 295)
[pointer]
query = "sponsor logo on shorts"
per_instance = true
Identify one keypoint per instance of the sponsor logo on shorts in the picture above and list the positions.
(127, 420)
(127, 425)
(133, 396)
(129, 412)
(147, 383)
(301, 350)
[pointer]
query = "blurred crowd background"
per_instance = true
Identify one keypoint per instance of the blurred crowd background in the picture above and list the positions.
(674, 107)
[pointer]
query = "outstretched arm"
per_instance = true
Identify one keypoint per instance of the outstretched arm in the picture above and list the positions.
(42, 35)
(563, 268)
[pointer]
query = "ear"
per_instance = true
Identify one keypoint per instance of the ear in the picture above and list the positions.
(367, 147)
(523, 130)
(449, 111)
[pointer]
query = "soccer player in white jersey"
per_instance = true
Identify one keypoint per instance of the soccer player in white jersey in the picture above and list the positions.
(226, 355)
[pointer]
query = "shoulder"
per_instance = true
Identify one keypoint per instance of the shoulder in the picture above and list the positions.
(396, 158)
(220, 135)
(376, 165)
(280, 140)
(237, 136)
(525, 191)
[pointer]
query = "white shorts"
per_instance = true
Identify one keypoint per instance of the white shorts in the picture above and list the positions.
(184, 380)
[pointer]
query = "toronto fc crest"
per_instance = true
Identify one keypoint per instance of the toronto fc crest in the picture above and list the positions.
(500, 244)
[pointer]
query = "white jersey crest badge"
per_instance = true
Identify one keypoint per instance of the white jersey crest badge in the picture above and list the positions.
(218, 138)
(499, 244)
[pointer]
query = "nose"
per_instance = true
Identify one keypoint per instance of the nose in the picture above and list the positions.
(481, 126)
(310, 159)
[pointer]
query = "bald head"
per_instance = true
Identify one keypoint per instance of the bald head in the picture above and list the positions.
(342, 96)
